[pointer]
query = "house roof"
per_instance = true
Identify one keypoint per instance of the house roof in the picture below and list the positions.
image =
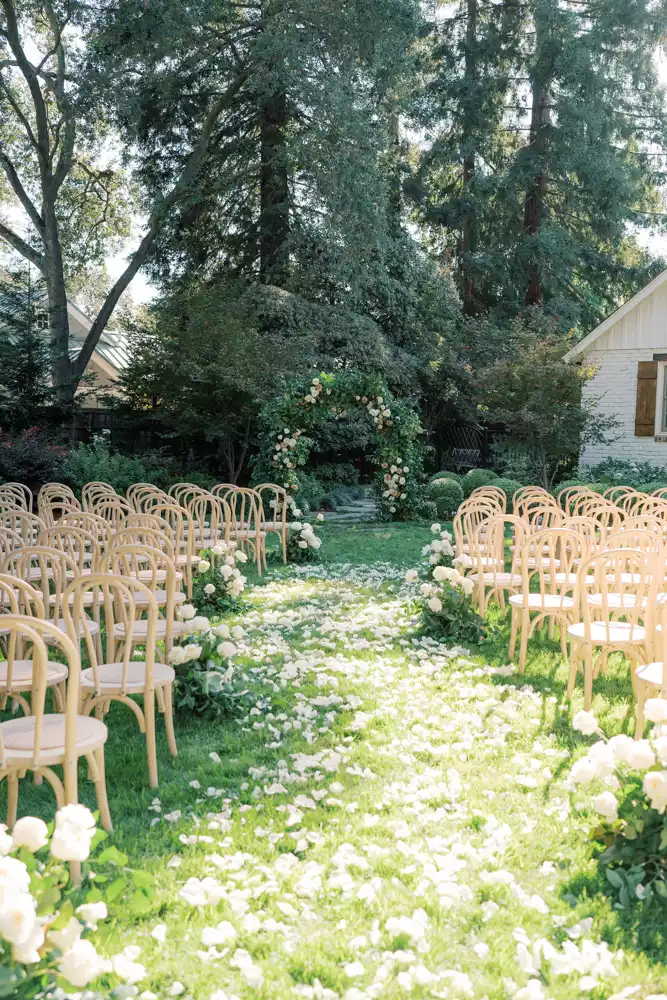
(583, 346)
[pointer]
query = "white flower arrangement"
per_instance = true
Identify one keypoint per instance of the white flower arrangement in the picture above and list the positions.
(446, 593)
(303, 543)
(45, 943)
(377, 410)
(285, 446)
(394, 480)
(636, 826)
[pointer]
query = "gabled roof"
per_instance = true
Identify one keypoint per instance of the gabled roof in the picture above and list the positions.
(615, 317)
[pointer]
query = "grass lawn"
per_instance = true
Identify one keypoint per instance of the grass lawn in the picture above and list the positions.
(390, 820)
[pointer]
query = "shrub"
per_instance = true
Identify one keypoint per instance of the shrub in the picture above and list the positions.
(310, 492)
(95, 462)
(303, 544)
(30, 458)
(634, 817)
(208, 683)
(218, 582)
(447, 496)
(448, 475)
(618, 472)
(656, 484)
(445, 597)
(476, 478)
(567, 483)
(338, 473)
(427, 510)
(509, 488)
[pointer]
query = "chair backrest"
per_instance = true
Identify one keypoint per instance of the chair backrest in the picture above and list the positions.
(467, 520)
(619, 575)
(643, 539)
(81, 545)
(154, 569)
(28, 526)
(48, 570)
(158, 536)
(184, 492)
(141, 495)
(274, 502)
(493, 493)
(649, 505)
(246, 510)
(95, 525)
(17, 598)
(9, 541)
(533, 501)
(35, 633)
(548, 516)
(490, 544)
(211, 517)
(222, 489)
(550, 560)
(630, 500)
(114, 509)
(645, 522)
(568, 495)
(591, 531)
(54, 497)
(18, 490)
(615, 494)
(91, 492)
(123, 600)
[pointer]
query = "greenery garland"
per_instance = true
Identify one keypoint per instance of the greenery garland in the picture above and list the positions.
(289, 425)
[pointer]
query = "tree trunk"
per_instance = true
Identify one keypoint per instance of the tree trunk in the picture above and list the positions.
(274, 190)
(540, 122)
(61, 367)
(467, 238)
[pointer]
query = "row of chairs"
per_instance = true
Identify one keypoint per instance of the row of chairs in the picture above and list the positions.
(599, 581)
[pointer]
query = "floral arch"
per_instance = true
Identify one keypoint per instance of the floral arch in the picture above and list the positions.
(289, 425)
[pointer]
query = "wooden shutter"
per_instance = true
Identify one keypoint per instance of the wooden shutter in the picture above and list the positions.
(647, 383)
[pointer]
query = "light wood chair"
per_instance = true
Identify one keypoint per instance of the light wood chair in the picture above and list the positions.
(493, 493)
(651, 678)
(92, 492)
(49, 571)
(274, 507)
(142, 495)
(613, 614)
(247, 515)
(157, 572)
(114, 510)
(28, 526)
(211, 520)
(9, 541)
(92, 523)
(117, 676)
(80, 545)
(489, 572)
(18, 598)
(20, 491)
(53, 499)
(182, 530)
(548, 560)
(183, 493)
(40, 742)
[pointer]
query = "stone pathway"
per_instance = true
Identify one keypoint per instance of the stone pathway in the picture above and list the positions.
(354, 512)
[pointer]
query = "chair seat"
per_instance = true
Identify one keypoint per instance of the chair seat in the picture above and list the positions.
(246, 531)
(273, 525)
(160, 596)
(111, 676)
(22, 674)
(616, 601)
(609, 632)
(499, 579)
(571, 579)
(147, 576)
(93, 627)
(651, 673)
(467, 560)
(182, 559)
(18, 737)
(542, 602)
(140, 629)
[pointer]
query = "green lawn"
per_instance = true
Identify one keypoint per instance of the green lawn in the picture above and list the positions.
(391, 820)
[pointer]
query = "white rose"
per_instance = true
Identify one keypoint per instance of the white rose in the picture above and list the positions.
(73, 833)
(436, 529)
(655, 789)
(585, 722)
(203, 566)
(226, 649)
(14, 878)
(6, 840)
(241, 557)
(607, 805)
(467, 585)
(411, 576)
(441, 573)
(81, 964)
(603, 759)
(186, 611)
(67, 936)
(237, 632)
(226, 572)
(92, 913)
(583, 771)
(641, 756)
(219, 548)
(30, 832)
(18, 918)
(660, 746)
(200, 624)
(222, 630)
(320, 517)
(192, 651)
(27, 953)
(435, 604)
(621, 746)
(127, 969)
(655, 710)
(302, 545)
(209, 589)
(176, 655)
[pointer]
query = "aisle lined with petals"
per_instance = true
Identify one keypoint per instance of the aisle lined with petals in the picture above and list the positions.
(402, 824)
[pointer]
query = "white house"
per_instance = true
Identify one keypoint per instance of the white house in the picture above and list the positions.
(108, 359)
(630, 351)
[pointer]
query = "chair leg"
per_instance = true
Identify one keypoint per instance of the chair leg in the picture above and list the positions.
(574, 665)
(525, 632)
(513, 631)
(169, 719)
(151, 749)
(12, 798)
(640, 695)
(588, 676)
(101, 791)
(562, 629)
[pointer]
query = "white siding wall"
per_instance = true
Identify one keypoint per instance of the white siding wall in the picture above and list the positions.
(636, 337)
(616, 383)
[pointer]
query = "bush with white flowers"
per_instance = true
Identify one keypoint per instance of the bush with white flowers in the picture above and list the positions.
(45, 922)
(208, 683)
(445, 596)
(631, 801)
(303, 544)
(219, 582)
(291, 424)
